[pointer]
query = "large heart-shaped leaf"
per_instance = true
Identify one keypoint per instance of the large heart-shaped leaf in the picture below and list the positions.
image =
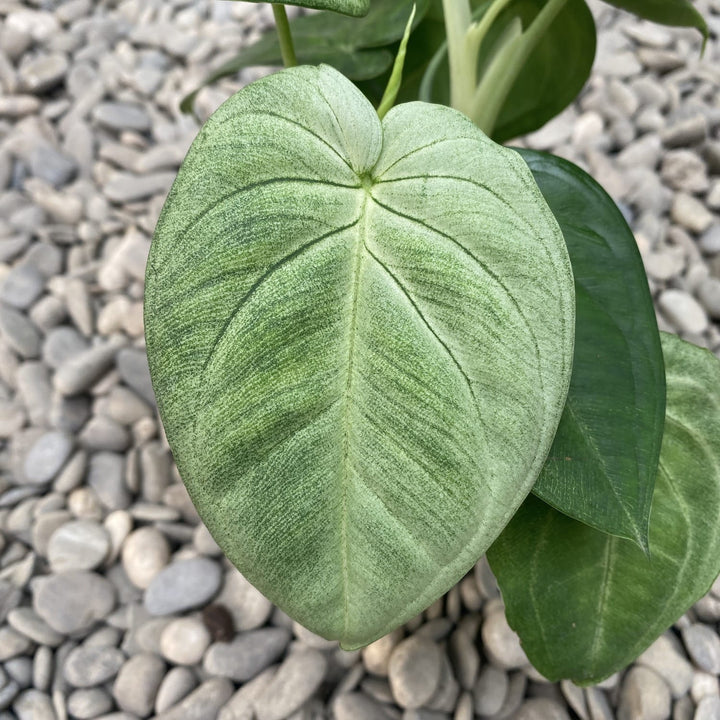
(360, 339)
(586, 604)
(347, 7)
(603, 462)
(357, 47)
(550, 80)
(668, 12)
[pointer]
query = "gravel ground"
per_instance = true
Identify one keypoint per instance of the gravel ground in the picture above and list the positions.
(115, 601)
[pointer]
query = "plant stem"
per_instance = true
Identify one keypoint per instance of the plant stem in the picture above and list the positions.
(507, 64)
(287, 50)
(458, 19)
(478, 30)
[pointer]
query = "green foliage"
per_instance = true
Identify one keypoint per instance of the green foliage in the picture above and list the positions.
(360, 48)
(667, 12)
(585, 604)
(360, 362)
(602, 466)
(550, 80)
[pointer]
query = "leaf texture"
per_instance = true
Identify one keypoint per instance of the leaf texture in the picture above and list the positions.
(586, 604)
(360, 339)
(602, 466)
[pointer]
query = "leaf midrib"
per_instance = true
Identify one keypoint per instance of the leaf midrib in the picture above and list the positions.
(357, 268)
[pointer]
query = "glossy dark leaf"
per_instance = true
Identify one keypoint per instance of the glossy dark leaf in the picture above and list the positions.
(360, 48)
(586, 604)
(602, 466)
(667, 12)
(555, 73)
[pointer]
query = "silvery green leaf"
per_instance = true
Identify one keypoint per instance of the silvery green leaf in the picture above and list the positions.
(360, 337)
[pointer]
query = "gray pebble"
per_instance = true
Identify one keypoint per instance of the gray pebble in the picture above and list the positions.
(78, 545)
(122, 116)
(72, 602)
(414, 671)
(692, 214)
(135, 373)
(89, 703)
(710, 240)
(295, 682)
(703, 646)
(598, 704)
(124, 187)
(684, 170)
(644, 696)
(12, 643)
(683, 311)
(358, 706)
(61, 343)
(541, 709)
(80, 371)
(28, 623)
(137, 684)
(204, 702)
(709, 296)
(34, 705)
(22, 286)
(106, 477)
(52, 166)
(47, 456)
(685, 133)
(182, 586)
(103, 433)
(8, 693)
(241, 705)
(176, 685)
(68, 414)
(145, 553)
(376, 656)
(708, 708)
(465, 658)
(247, 655)
(663, 657)
(42, 73)
(491, 690)
(184, 641)
(249, 607)
(19, 332)
(43, 668)
(90, 666)
(501, 643)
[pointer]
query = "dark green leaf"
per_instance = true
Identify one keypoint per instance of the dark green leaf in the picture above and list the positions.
(586, 604)
(355, 47)
(358, 383)
(602, 466)
(668, 12)
(552, 78)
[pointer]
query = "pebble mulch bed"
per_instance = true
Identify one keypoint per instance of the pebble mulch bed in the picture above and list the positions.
(115, 602)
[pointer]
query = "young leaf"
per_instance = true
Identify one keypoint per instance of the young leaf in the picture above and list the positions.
(552, 78)
(357, 47)
(602, 465)
(667, 12)
(357, 8)
(586, 604)
(356, 377)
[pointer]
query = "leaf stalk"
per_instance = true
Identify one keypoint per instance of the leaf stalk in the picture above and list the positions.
(287, 49)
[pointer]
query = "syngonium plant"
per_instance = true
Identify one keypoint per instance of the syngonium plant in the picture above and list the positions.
(383, 344)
